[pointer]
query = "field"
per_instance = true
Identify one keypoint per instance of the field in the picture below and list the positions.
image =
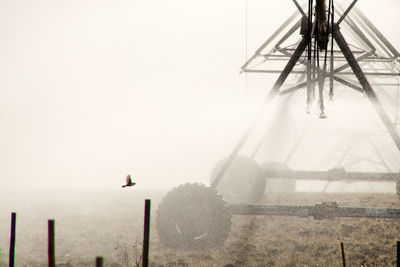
(109, 223)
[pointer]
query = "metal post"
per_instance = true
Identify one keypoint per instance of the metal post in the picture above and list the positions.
(398, 253)
(358, 72)
(12, 239)
(99, 262)
(343, 256)
(51, 244)
(146, 233)
(278, 84)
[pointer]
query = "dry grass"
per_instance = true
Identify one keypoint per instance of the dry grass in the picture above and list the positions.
(292, 241)
(110, 224)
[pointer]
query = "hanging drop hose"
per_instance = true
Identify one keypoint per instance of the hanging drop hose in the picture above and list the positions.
(246, 45)
(331, 69)
(396, 116)
(309, 55)
(314, 62)
(321, 77)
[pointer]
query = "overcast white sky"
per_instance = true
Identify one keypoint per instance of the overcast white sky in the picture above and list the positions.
(91, 90)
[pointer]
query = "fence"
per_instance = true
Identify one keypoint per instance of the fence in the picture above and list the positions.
(99, 262)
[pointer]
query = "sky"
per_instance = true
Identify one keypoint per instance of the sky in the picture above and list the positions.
(91, 90)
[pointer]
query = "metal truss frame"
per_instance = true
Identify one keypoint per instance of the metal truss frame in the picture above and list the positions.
(373, 48)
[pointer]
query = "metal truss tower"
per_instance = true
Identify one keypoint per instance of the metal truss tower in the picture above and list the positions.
(313, 44)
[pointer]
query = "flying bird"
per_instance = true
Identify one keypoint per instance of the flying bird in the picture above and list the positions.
(128, 181)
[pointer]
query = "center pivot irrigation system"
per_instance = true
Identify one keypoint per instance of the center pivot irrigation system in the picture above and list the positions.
(194, 215)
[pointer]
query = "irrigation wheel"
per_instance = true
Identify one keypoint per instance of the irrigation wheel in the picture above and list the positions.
(193, 216)
(243, 182)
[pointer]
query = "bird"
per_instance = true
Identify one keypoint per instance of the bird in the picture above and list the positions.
(128, 181)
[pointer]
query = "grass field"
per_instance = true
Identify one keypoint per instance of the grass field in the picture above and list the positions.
(109, 223)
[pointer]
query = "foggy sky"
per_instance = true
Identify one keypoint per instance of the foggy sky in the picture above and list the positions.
(93, 90)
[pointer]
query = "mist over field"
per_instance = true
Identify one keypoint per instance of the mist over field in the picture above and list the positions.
(91, 91)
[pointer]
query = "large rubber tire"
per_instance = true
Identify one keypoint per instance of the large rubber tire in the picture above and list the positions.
(278, 185)
(243, 181)
(193, 216)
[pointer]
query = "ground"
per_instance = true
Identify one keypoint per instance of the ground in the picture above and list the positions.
(109, 224)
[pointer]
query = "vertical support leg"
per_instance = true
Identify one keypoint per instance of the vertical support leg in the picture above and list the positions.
(358, 72)
(274, 91)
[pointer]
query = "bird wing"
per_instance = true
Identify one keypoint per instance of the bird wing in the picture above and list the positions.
(128, 179)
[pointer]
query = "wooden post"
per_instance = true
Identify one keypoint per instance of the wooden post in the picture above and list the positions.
(12, 239)
(343, 256)
(99, 261)
(398, 253)
(146, 234)
(51, 243)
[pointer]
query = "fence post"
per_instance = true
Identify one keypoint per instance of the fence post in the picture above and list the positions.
(99, 261)
(343, 256)
(51, 244)
(146, 233)
(12, 239)
(398, 253)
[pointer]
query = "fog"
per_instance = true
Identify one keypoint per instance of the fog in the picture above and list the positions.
(93, 90)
